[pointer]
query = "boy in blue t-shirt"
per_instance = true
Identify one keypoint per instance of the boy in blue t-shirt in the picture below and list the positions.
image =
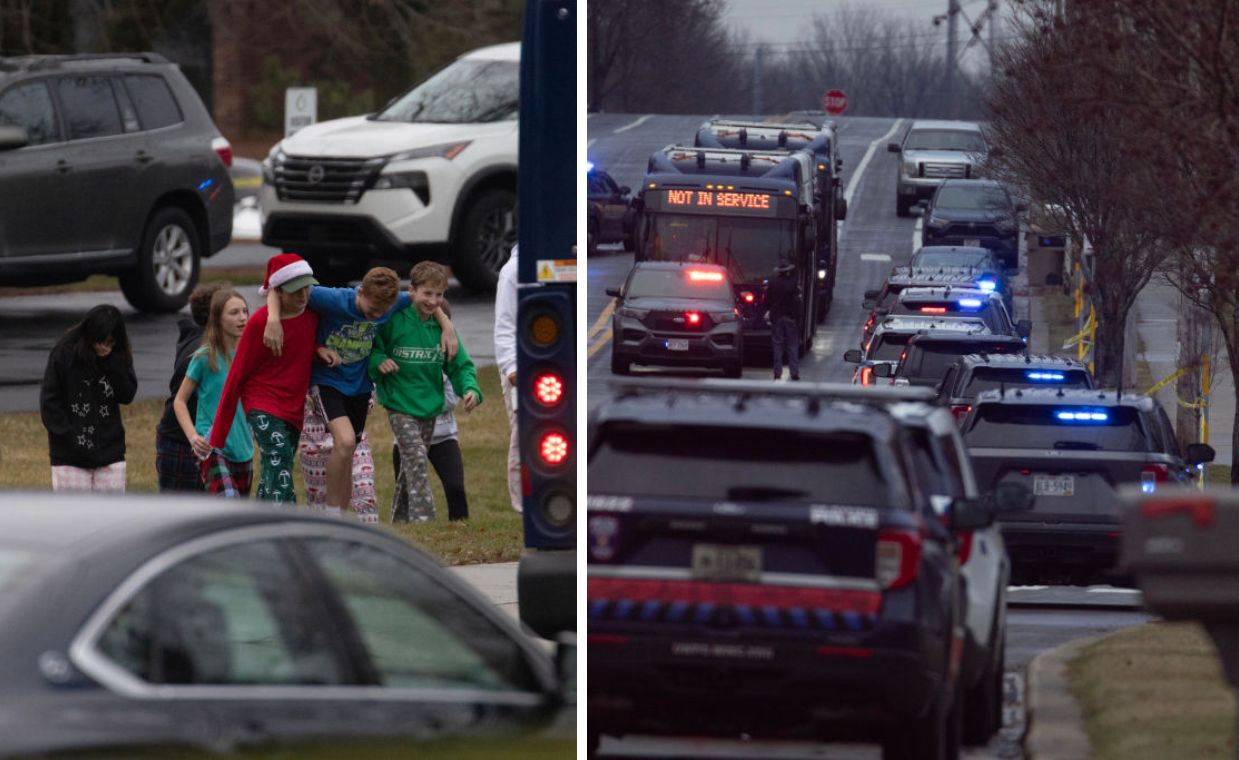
(348, 321)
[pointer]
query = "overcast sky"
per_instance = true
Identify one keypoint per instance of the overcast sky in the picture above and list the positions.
(782, 22)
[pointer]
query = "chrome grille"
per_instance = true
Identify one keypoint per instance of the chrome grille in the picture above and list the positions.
(333, 180)
(944, 171)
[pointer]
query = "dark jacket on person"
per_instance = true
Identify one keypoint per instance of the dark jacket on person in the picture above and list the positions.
(190, 340)
(80, 406)
(783, 298)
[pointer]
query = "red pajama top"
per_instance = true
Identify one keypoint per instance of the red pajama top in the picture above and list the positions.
(264, 382)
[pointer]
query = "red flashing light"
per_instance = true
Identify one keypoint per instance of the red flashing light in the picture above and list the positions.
(866, 376)
(960, 411)
(1199, 507)
(549, 389)
(964, 549)
(693, 318)
(553, 448)
(698, 275)
(933, 310)
(747, 297)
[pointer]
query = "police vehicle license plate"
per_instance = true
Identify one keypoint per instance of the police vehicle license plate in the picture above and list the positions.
(677, 344)
(715, 562)
(1050, 485)
(972, 242)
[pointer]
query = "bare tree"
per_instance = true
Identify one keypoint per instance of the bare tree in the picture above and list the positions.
(1070, 150)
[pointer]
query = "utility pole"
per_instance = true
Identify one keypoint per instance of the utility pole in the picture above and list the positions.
(757, 79)
(993, 22)
(952, 20)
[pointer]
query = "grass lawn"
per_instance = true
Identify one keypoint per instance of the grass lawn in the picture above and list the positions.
(493, 532)
(102, 282)
(1155, 692)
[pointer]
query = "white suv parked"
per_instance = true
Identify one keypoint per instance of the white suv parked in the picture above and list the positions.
(431, 176)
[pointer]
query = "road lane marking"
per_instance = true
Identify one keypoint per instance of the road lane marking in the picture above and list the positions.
(636, 123)
(602, 341)
(860, 168)
(601, 322)
(916, 233)
(875, 257)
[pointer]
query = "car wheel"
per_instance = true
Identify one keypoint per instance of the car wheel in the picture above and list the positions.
(169, 262)
(983, 703)
(619, 366)
(630, 243)
(487, 233)
(933, 736)
(902, 206)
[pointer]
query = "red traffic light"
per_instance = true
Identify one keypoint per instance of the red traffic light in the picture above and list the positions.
(553, 448)
(548, 388)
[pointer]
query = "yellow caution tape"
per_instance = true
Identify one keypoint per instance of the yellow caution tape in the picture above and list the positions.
(1201, 404)
(1167, 380)
(1089, 325)
(247, 182)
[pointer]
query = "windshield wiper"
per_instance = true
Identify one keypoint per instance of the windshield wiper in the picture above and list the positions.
(1077, 445)
(764, 493)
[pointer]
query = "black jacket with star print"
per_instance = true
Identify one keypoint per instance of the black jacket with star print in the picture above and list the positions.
(80, 405)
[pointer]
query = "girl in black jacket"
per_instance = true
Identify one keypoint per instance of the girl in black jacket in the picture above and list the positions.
(89, 375)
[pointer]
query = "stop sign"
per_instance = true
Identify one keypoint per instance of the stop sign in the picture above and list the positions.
(835, 102)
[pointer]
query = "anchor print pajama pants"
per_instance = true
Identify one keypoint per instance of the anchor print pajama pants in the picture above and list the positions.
(277, 445)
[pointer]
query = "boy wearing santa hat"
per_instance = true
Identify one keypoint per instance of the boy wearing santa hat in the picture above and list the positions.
(272, 388)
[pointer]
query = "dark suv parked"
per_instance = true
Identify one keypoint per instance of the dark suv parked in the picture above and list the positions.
(113, 167)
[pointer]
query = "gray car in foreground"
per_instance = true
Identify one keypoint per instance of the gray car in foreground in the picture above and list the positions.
(192, 626)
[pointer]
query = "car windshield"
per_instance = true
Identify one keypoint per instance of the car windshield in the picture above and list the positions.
(972, 198)
(743, 464)
(931, 258)
(994, 378)
(750, 249)
(930, 359)
(468, 91)
(1037, 426)
(684, 282)
(888, 346)
(945, 139)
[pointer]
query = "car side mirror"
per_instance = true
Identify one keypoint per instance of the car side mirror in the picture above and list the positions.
(852, 356)
(565, 666)
(1023, 328)
(971, 514)
(883, 370)
(1012, 497)
(1200, 453)
(894, 147)
(12, 138)
(615, 292)
(917, 209)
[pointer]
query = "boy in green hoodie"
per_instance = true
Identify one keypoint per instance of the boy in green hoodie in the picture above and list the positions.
(407, 365)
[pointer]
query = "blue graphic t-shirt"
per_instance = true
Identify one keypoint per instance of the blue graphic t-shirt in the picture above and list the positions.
(343, 328)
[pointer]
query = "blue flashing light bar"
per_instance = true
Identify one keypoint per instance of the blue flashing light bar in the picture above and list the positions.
(986, 286)
(589, 166)
(1147, 486)
(1084, 415)
(206, 184)
(1047, 377)
(970, 303)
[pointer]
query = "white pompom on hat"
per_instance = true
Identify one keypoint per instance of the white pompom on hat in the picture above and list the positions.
(287, 270)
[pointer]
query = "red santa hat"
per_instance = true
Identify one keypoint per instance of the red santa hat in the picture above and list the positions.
(287, 270)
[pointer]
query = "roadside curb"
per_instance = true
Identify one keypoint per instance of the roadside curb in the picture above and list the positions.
(1055, 723)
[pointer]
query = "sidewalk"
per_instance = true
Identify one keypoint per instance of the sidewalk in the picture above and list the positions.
(1157, 315)
(497, 582)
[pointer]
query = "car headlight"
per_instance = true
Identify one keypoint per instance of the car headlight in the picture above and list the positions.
(628, 311)
(724, 316)
(415, 181)
(445, 150)
(934, 221)
(909, 168)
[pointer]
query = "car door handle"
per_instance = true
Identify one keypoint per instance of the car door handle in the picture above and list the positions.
(63, 167)
(144, 157)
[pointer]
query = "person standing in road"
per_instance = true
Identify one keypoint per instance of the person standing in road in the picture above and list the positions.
(175, 461)
(272, 388)
(89, 375)
(407, 367)
(505, 357)
(784, 304)
(203, 382)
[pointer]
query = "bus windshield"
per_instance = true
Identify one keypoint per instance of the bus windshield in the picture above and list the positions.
(750, 249)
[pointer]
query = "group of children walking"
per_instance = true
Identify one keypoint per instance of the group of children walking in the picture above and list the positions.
(240, 379)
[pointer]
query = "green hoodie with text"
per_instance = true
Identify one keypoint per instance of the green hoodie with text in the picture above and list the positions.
(414, 343)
